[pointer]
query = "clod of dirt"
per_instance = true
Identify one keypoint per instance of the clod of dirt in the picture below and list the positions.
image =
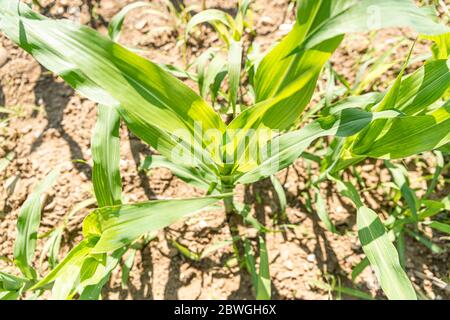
(3, 56)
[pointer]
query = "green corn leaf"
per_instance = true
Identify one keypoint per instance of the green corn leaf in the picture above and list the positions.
(105, 155)
(201, 65)
(261, 281)
(213, 77)
(316, 35)
(426, 241)
(11, 286)
(424, 87)
(441, 49)
(368, 135)
(28, 224)
(408, 135)
(216, 85)
(13, 14)
(443, 227)
(354, 293)
(383, 256)
(364, 101)
(271, 113)
(216, 18)
(417, 131)
(157, 107)
(51, 248)
(445, 148)
(287, 148)
(91, 271)
(93, 283)
(359, 268)
(194, 256)
(331, 88)
(115, 26)
(9, 282)
(284, 87)
(234, 72)
(400, 175)
(120, 225)
(178, 72)
(348, 190)
(401, 248)
(367, 15)
(9, 295)
(432, 208)
(342, 290)
(446, 202)
(127, 265)
(281, 194)
(67, 274)
(263, 291)
(322, 211)
(251, 220)
(373, 69)
(260, 116)
(437, 173)
(380, 251)
(276, 70)
(189, 175)
(292, 78)
(250, 263)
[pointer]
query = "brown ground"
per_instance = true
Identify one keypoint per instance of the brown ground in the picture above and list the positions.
(53, 126)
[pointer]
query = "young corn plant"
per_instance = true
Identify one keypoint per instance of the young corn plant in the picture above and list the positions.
(178, 15)
(255, 143)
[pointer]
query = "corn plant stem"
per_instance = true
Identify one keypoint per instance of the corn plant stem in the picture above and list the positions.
(234, 220)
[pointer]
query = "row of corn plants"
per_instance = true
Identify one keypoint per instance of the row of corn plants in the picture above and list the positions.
(219, 145)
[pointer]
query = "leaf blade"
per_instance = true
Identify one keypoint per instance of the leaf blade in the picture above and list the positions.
(28, 224)
(120, 225)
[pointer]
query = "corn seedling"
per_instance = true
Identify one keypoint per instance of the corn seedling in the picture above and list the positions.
(255, 142)
(178, 16)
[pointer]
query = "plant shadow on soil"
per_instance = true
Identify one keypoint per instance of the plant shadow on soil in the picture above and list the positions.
(263, 193)
(2, 98)
(138, 148)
